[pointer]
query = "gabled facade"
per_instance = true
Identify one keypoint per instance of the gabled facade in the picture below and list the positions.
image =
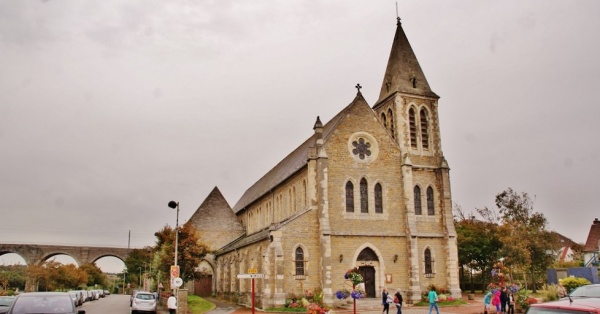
(591, 249)
(369, 189)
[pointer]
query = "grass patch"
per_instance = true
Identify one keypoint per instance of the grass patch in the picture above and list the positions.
(442, 304)
(286, 310)
(198, 305)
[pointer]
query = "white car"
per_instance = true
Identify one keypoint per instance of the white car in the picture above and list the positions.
(144, 302)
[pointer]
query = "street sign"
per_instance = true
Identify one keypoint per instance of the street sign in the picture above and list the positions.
(177, 282)
(247, 276)
(252, 271)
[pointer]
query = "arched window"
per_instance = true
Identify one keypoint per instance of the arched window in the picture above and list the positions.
(392, 130)
(349, 197)
(304, 193)
(294, 206)
(424, 129)
(364, 196)
(378, 199)
(299, 261)
(428, 262)
(384, 120)
(413, 127)
(430, 207)
(417, 192)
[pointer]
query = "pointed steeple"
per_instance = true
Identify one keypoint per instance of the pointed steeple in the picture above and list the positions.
(403, 73)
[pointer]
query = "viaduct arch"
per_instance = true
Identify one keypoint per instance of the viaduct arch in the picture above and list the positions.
(35, 254)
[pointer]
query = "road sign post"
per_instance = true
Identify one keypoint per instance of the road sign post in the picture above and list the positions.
(252, 275)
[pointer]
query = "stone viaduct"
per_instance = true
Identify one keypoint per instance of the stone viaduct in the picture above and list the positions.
(35, 254)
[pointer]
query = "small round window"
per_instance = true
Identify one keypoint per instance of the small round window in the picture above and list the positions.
(363, 147)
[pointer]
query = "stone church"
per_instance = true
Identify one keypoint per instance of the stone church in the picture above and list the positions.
(369, 189)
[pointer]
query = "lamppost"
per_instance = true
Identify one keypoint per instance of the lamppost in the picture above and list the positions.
(140, 268)
(124, 273)
(175, 205)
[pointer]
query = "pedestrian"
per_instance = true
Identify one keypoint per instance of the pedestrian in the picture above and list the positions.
(433, 298)
(384, 298)
(487, 300)
(172, 304)
(511, 303)
(496, 299)
(503, 299)
(398, 301)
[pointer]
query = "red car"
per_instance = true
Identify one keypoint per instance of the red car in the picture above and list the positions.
(566, 306)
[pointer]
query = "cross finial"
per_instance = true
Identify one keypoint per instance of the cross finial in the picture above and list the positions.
(358, 87)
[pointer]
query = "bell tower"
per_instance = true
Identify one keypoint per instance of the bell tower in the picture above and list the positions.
(408, 109)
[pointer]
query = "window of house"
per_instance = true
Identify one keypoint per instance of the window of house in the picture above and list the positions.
(364, 196)
(294, 206)
(304, 193)
(430, 207)
(428, 262)
(384, 120)
(417, 192)
(299, 261)
(424, 129)
(413, 127)
(349, 197)
(391, 115)
(378, 199)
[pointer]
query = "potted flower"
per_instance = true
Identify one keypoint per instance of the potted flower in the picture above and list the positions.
(354, 276)
(342, 294)
(357, 294)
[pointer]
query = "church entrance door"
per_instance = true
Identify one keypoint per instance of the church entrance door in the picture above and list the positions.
(368, 274)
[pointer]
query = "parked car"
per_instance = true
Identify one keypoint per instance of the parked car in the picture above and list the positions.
(132, 297)
(566, 306)
(74, 298)
(5, 303)
(586, 291)
(44, 302)
(143, 302)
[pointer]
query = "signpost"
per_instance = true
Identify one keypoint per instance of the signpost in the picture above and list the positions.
(252, 273)
(174, 274)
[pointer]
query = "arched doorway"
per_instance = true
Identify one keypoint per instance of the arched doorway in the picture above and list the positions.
(367, 270)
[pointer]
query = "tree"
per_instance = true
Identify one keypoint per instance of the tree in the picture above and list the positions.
(526, 231)
(138, 260)
(12, 276)
(94, 275)
(190, 251)
(478, 243)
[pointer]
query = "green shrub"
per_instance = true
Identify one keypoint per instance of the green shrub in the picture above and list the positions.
(570, 283)
(551, 292)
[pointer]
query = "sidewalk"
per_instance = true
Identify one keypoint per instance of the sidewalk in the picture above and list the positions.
(474, 306)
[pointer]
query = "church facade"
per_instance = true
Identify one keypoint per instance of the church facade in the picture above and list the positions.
(370, 189)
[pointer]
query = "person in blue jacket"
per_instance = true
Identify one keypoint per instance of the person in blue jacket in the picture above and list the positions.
(433, 298)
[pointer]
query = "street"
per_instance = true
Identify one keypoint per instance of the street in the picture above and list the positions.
(114, 304)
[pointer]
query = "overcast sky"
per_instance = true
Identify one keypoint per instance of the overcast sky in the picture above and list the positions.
(110, 109)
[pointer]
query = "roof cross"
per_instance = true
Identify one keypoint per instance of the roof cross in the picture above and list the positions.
(358, 87)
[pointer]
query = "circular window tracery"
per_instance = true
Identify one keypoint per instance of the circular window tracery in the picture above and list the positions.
(363, 147)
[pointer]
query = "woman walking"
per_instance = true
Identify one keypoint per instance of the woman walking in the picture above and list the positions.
(398, 301)
(384, 298)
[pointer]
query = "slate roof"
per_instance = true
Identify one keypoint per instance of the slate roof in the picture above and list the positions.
(591, 245)
(291, 164)
(402, 69)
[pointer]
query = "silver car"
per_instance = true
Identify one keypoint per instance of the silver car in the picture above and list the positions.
(44, 302)
(143, 302)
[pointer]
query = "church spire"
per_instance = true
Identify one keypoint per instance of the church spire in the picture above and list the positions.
(403, 73)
